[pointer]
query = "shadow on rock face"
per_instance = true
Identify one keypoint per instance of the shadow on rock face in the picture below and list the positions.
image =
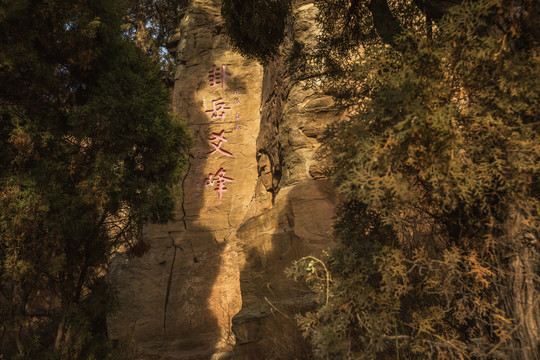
(297, 226)
(177, 299)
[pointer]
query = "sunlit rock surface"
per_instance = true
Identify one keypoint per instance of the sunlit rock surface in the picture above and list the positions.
(254, 200)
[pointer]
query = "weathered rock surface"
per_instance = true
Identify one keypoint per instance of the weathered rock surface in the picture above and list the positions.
(254, 200)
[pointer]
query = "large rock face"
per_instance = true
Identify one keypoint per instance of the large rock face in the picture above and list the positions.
(253, 201)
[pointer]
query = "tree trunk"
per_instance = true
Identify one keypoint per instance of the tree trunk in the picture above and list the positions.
(18, 341)
(386, 24)
(60, 332)
(523, 301)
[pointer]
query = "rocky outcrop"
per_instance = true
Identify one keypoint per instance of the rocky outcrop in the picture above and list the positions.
(254, 200)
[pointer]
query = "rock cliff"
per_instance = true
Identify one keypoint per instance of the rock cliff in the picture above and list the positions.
(254, 200)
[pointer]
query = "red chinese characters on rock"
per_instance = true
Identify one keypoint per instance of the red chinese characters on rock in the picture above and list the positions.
(218, 109)
(217, 146)
(218, 179)
(217, 76)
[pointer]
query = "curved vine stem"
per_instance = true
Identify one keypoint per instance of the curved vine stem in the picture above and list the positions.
(327, 274)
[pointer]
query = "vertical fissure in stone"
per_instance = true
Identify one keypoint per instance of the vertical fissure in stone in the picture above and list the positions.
(169, 281)
(183, 192)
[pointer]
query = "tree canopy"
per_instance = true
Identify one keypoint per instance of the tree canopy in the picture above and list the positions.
(256, 28)
(89, 153)
(151, 23)
(438, 157)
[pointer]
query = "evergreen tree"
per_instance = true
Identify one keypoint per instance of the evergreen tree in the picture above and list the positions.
(88, 154)
(150, 23)
(439, 159)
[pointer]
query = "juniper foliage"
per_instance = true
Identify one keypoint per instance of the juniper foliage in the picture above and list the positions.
(439, 157)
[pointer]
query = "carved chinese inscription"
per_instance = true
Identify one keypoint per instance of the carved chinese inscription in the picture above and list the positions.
(218, 179)
(218, 109)
(220, 138)
(217, 76)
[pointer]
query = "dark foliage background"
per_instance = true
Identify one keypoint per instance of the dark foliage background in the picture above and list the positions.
(256, 27)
